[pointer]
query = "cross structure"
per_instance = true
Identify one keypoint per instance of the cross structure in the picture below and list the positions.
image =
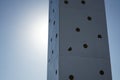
(78, 42)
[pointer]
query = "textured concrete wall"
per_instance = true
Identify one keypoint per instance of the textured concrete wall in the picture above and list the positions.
(78, 42)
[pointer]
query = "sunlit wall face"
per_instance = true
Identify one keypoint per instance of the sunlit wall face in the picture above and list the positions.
(23, 39)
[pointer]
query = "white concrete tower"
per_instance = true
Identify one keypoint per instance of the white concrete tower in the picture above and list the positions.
(78, 43)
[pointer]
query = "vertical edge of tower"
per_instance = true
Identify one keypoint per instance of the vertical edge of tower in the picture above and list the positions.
(53, 41)
(109, 57)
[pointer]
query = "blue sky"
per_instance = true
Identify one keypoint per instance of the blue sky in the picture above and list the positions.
(23, 38)
(113, 22)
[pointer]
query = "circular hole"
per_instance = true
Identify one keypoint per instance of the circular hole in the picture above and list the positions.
(49, 60)
(99, 36)
(71, 77)
(89, 18)
(85, 45)
(51, 2)
(53, 10)
(51, 39)
(52, 51)
(49, 20)
(54, 23)
(56, 72)
(83, 2)
(66, 2)
(56, 35)
(70, 49)
(78, 29)
(101, 72)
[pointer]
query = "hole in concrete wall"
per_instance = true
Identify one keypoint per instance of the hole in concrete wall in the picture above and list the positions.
(56, 72)
(71, 77)
(51, 1)
(66, 1)
(49, 20)
(53, 10)
(83, 2)
(52, 51)
(51, 39)
(85, 45)
(54, 23)
(101, 72)
(77, 29)
(99, 36)
(89, 18)
(70, 49)
(56, 35)
(48, 60)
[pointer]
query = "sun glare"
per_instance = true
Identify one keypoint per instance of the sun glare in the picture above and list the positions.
(36, 28)
(38, 33)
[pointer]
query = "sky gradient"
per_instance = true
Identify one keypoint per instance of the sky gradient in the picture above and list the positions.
(113, 24)
(24, 34)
